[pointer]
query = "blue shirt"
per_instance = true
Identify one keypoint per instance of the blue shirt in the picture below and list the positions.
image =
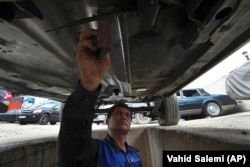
(111, 155)
(76, 148)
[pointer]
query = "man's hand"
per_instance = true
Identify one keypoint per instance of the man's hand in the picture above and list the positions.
(92, 68)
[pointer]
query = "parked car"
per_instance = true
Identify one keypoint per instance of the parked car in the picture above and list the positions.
(157, 47)
(10, 116)
(42, 114)
(198, 101)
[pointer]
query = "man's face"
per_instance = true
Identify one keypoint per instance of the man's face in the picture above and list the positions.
(120, 120)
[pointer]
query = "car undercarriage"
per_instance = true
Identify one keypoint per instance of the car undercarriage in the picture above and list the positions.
(158, 46)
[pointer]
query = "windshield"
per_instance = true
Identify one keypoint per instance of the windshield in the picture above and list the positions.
(47, 105)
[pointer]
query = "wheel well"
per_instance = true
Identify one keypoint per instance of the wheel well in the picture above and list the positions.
(44, 114)
(47, 113)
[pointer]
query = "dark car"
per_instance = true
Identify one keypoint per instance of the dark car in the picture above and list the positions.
(158, 46)
(42, 114)
(194, 102)
(10, 116)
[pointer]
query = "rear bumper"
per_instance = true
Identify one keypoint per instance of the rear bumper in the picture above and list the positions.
(229, 107)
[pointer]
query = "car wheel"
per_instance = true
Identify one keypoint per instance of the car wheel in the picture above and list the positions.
(22, 122)
(44, 119)
(142, 119)
(168, 111)
(212, 109)
(52, 123)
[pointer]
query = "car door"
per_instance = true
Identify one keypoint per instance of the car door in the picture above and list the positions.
(55, 112)
(191, 102)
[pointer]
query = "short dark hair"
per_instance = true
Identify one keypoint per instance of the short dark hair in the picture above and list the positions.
(118, 104)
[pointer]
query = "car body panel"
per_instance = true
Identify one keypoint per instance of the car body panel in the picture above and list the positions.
(193, 101)
(158, 47)
(10, 116)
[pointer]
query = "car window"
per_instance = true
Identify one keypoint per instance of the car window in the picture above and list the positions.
(203, 92)
(17, 100)
(47, 105)
(58, 106)
(190, 93)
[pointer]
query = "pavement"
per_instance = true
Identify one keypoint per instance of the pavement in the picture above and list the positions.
(237, 125)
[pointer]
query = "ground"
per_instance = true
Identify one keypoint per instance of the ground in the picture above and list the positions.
(15, 133)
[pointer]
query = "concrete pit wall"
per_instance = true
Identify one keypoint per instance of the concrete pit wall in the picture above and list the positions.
(37, 153)
(151, 141)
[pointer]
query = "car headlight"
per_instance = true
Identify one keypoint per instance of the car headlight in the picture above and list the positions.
(37, 111)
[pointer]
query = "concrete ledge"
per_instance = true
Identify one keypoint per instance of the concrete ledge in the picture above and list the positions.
(38, 153)
(150, 141)
(169, 139)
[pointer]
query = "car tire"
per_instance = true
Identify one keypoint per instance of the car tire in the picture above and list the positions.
(212, 109)
(168, 112)
(44, 119)
(141, 119)
(22, 123)
(52, 123)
